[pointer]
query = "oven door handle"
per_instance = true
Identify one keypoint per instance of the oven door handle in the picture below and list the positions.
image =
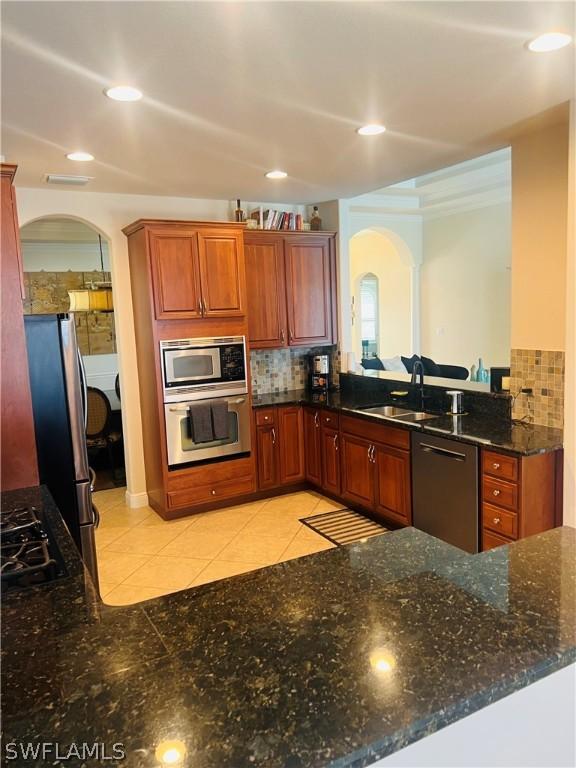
(185, 409)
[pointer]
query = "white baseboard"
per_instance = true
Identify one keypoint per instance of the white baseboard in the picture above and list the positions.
(136, 500)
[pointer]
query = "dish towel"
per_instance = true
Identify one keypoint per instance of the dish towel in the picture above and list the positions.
(220, 419)
(200, 415)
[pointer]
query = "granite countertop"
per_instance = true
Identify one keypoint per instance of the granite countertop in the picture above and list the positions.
(335, 659)
(515, 437)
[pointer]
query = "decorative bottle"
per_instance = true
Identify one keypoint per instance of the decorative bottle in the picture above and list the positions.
(315, 220)
(482, 372)
(238, 213)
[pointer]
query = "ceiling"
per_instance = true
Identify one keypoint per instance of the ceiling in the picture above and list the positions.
(233, 90)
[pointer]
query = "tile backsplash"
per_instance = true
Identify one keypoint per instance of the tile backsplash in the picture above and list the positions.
(543, 372)
(280, 370)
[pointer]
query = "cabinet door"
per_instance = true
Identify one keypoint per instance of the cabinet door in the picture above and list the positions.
(267, 457)
(312, 443)
(222, 273)
(308, 291)
(291, 445)
(330, 460)
(266, 292)
(175, 275)
(393, 493)
(357, 470)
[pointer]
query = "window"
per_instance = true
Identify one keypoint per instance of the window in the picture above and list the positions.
(369, 314)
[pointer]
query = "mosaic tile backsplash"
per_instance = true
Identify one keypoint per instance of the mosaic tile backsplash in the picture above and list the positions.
(543, 372)
(280, 370)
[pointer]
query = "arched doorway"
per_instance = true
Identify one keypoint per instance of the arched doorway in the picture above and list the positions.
(381, 285)
(61, 254)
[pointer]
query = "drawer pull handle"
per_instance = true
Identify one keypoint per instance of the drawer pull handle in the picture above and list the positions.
(335, 438)
(496, 492)
(496, 521)
(316, 420)
(273, 436)
(496, 465)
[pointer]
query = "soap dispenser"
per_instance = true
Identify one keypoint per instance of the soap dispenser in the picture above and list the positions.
(456, 407)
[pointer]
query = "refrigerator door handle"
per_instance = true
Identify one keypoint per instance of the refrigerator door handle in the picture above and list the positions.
(86, 509)
(84, 383)
(74, 395)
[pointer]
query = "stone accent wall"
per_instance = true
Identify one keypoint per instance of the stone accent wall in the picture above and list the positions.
(47, 293)
(281, 370)
(543, 371)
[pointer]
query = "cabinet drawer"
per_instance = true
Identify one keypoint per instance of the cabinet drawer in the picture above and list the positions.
(500, 493)
(376, 432)
(499, 465)
(204, 494)
(264, 417)
(491, 540)
(329, 419)
(190, 478)
(500, 520)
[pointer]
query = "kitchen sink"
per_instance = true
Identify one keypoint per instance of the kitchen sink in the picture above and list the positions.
(400, 414)
(386, 410)
(416, 416)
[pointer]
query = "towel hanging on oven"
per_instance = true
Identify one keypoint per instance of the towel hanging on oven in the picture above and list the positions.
(219, 410)
(200, 415)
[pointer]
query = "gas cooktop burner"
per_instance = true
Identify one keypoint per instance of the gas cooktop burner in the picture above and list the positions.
(27, 554)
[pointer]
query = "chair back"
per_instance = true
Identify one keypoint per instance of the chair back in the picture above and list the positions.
(99, 413)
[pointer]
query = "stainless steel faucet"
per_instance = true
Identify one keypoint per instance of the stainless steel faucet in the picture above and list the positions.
(419, 369)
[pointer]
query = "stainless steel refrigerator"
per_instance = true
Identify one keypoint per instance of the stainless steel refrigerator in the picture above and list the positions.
(59, 398)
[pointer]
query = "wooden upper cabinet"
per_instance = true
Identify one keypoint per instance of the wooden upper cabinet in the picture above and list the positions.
(176, 275)
(308, 290)
(221, 257)
(195, 269)
(291, 288)
(266, 291)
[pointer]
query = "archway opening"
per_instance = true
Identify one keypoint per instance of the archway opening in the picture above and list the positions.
(381, 296)
(61, 254)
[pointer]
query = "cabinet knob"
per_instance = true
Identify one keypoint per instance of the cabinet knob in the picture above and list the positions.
(213, 492)
(266, 418)
(496, 492)
(496, 521)
(496, 465)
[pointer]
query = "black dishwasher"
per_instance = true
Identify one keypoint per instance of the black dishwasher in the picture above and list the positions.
(445, 490)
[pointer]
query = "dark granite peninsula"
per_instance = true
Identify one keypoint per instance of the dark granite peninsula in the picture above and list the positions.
(490, 428)
(335, 659)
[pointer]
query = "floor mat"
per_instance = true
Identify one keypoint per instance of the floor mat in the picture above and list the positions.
(343, 526)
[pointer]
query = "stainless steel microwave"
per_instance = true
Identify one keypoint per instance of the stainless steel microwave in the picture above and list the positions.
(200, 368)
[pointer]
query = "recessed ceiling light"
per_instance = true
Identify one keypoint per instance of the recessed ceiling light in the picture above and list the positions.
(550, 41)
(372, 129)
(123, 93)
(80, 157)
(276, 175)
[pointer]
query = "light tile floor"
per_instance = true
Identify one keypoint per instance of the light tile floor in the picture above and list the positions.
(140, 555)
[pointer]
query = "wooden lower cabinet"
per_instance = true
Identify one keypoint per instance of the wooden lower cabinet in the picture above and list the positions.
(266, 457)
(357, 470)
(330, 450)
(291, 445)
(279, 447)
(521, 496)
(393, 484)
(313, 445)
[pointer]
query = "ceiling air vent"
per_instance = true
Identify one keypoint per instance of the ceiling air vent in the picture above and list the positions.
(62, 178)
